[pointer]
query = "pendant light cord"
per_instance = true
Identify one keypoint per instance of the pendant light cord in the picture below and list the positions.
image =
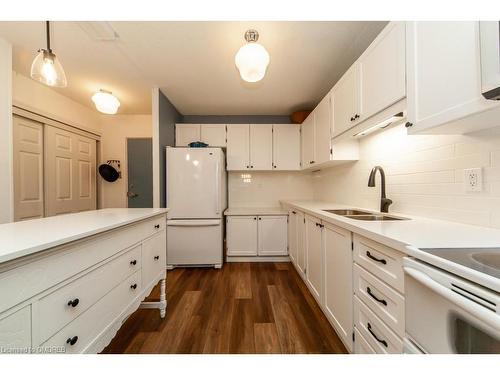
(47, 27)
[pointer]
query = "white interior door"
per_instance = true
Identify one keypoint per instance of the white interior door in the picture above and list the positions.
(261, 147)
(193, 183)
(213, 134)
(28, 169)
(272, 235)
(286, 147)
(241, 235)
(186, 133)
(85, 155)
(238, 147)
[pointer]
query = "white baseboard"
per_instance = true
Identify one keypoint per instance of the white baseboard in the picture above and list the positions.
(231, 259)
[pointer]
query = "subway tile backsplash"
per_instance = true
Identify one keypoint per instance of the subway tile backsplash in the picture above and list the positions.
(425, 175)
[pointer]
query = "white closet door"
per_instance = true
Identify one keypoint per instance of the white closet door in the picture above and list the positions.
(28, 169)
(261, 147)
(70, 169)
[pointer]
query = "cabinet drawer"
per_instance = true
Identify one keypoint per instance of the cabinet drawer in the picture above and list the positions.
(56, 309)
(380, 260)
(361, 346)
(154, 257)
(15, 330)
(375, 332)
(384, 301)
(154, 225)
(88, 326)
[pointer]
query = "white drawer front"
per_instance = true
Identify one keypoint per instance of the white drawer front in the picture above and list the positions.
(68, 302)
(376, 333)
(361, 346)
(154, 257)
(82, 331)
(384, 301)
(380, 260)
(15, 330)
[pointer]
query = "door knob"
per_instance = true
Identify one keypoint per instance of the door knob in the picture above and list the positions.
(131, 194)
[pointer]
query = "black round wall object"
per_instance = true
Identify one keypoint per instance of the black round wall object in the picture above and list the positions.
(108, 172)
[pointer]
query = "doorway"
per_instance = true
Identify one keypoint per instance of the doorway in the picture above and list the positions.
(140, 172)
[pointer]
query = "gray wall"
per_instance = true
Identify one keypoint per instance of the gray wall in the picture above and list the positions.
(168, 117)
(236, 119)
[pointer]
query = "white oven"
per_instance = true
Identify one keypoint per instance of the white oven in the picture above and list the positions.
(448, 314)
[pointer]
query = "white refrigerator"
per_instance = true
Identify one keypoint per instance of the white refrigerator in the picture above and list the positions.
(196, 197)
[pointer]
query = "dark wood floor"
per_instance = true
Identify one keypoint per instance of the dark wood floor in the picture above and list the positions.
(243, 308)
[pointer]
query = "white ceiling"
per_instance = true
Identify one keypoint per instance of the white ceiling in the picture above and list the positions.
(193, 62)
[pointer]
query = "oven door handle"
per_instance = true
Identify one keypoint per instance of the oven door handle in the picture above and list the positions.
(483, 314)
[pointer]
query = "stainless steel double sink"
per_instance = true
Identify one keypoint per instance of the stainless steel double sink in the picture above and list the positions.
(364, 215)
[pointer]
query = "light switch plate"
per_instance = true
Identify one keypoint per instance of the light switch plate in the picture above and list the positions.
(473, 179)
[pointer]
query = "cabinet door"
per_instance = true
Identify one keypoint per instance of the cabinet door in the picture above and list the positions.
(346, 101)
(338, 281)
(314, 257)
(443, 72)
(242, 235)
(261, 147)
(15, 329)
(238, 147)
(286, 147)
(186, 133)
(154, 257)
(308, 141)
(272, 235)
(301, 243)
(382, 70)
(292, 236)
(28, 168)
(213, 134)
(322, 125)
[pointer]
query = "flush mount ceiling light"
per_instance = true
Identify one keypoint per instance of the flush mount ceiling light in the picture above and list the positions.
(46, 67)
(106, 102)
(252, 59)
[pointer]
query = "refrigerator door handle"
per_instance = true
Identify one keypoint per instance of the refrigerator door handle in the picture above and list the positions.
(217, 188)
(193, 223)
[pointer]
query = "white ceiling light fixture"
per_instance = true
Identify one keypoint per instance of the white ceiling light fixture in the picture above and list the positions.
(46, 67)
(252, 59)
(106, 102)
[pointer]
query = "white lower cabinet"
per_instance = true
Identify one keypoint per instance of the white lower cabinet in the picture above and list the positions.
(264, 235)
(314, 257)
(338, 281)
(361, 346)
(15, 329)
(301, 243)
(292, 236)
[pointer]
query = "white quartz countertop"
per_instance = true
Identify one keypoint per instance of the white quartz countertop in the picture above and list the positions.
(418, 232)
(238, 211)
(31, 236)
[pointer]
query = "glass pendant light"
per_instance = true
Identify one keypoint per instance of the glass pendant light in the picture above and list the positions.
(252, 59)
(106, 102)
(46, 67)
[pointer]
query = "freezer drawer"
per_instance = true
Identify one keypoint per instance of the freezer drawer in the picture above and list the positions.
(194, 242)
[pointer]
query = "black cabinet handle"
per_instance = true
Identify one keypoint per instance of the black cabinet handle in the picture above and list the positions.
(72, 340)
(260, 218)
(133, 262)
(382, 301)
(383, 261)
(157, 226)
(255, 218)
(312, 162)
(356, 116)
(73, 302)
(274, 166)
(293, 212)
(133, 286)
(156, 257)
(352, 119)
(408, 125)
(248, 166)
(383, 342)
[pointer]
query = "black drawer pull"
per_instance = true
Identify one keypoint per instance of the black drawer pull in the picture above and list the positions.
(133, 262)
(293, 212)
(133, 286)
(72, 340)
(408, 125)
(157, 257)
(73, 303)
(383, 342)
(383, 261)
(382, 301)
(157, 226)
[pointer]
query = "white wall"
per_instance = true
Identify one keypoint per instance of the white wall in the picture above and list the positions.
(6, 182)
(424, 175)
(115, 131)
(265, 189)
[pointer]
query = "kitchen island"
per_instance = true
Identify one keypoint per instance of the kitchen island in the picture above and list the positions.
(68, 282)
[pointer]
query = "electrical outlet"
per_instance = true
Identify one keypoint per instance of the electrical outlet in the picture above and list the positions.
(473, 179)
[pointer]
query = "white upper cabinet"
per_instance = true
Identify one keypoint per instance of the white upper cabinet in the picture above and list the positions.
(213, 135)
(286, 147)
(346, 99)
(186, 133)
(444, 78)
(308, 141)
(238, 147)
(261, 147)
(382, 70)
(322, 126)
